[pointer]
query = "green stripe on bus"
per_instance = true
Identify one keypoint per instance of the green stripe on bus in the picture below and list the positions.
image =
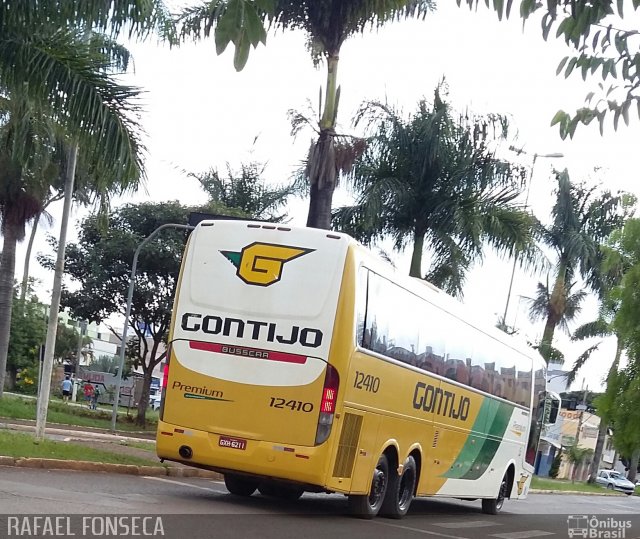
(479, 449)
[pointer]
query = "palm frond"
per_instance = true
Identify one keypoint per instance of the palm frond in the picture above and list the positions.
(68, 75)
(580, 361)
(539, 305)
(596, 328)
(134, 18)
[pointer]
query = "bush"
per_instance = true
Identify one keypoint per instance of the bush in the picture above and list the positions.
(26, 381)
(555, 465)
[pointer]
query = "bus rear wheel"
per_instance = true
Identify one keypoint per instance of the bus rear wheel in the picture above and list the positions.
(494, 505)
(369, 505)
(239, 485)
(400, 491)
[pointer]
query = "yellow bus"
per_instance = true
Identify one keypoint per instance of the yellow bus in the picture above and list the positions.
(300, 362)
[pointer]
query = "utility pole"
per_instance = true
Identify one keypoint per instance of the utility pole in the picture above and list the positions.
(526, 205)
(82, 327)
(132, 281)
(582, 407)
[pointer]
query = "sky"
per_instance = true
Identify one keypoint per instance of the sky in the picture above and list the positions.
(201, 113)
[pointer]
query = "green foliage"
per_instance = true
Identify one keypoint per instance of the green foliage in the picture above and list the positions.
(59, 412)
(58, 73)
(603, 49)
(27, 381)
(66, 342)
(540, 306)
(544, 483)
(56, 55)
(627, 245)
(244, 193)
(577, 455)
(582, 220)
(100, 263)
(327, 22)
(555, 465)
(15, 444)
(433, 179)
(28, 330)
(626, 410)
(110, 364)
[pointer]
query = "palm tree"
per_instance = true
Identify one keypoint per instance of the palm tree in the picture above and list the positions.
(84, 193)
(47, 62)
(25, 167)
(615, 262)
(327, 24)
(244, 193)
(581, 221)
(601, 327)
(433, 181)
(559, 310)
(577, 456)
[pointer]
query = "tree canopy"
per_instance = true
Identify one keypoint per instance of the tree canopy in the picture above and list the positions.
(606, 46)
(244, 193)
(433, 180)
(100, 263)
(327, 24)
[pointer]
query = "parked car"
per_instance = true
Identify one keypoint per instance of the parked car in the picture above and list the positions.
(615, 481)
(154, 401)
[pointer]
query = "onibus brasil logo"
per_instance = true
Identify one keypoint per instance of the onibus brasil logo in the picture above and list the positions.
(261, 264)
(597, 527)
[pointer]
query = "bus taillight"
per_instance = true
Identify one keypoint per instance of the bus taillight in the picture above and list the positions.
(165, 381)
(328, 404)
(165, 376)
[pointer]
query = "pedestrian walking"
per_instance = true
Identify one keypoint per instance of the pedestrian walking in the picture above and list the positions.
(94, 398)
(88, 392)
(67, 386)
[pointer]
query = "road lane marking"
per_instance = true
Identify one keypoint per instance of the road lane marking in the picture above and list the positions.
(417, 530)
(469, 524)
(173, 482)
(526, 534)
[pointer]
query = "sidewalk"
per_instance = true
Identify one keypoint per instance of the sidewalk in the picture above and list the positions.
(99, 440)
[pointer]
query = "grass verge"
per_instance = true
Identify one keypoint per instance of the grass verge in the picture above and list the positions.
(147, 446)
(65, 414)
(16, 444)
(545, 483)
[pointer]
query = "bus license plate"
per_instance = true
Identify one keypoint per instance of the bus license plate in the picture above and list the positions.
(233, 443)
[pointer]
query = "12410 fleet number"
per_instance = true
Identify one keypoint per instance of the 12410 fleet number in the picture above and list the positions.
(296, 406)
(366, 382)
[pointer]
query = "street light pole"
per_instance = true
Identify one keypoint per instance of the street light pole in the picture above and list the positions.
(526, 205)
(123, 345)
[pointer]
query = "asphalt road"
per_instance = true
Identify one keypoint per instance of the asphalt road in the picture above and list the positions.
(99, 505)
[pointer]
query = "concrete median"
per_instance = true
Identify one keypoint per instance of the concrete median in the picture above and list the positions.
(86, 466)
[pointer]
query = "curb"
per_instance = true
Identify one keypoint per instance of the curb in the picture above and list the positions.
(79, 434)
(86, 466)
(154, 471)
(576, 492)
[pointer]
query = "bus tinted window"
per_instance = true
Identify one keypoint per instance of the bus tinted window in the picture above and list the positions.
(401, 325)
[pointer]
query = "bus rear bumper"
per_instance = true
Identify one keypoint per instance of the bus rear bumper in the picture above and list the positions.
(222, 453)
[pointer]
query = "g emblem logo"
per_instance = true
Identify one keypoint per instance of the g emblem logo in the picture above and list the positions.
(261, 263)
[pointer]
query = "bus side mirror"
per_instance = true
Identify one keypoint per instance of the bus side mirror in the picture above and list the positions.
(552, 407)
(555, 408)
